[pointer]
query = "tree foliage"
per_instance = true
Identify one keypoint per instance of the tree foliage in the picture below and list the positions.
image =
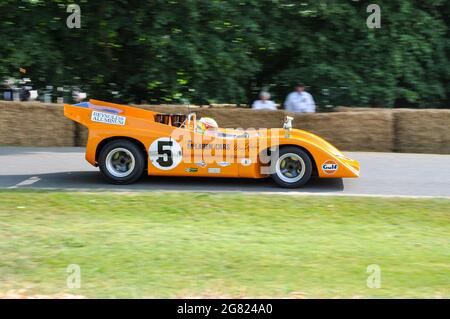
(226, 51)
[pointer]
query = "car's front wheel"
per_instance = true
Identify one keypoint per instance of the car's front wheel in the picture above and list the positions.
(121, 162)
(291, 167)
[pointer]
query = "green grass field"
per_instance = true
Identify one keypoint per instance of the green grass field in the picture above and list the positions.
(223, 245)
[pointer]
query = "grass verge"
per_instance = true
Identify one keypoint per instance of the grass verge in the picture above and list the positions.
(222, 245)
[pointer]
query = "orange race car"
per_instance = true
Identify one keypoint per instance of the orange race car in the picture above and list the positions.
(126, 141)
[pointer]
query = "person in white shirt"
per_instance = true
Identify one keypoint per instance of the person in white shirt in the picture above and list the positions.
(300, 101)
(264, 102)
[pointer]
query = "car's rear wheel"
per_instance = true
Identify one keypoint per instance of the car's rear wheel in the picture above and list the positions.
(291, 167)
(121, 162)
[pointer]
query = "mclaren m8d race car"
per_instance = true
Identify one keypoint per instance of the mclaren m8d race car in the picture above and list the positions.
(125, 142)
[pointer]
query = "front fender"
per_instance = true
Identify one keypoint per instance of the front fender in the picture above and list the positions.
(330, 162)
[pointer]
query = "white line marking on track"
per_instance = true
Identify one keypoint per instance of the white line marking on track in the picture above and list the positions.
(27, 182)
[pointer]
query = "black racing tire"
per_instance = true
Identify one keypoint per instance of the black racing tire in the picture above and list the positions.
(297, 168)
(121, 162)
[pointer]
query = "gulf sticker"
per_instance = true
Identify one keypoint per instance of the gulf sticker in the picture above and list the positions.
(330, 167)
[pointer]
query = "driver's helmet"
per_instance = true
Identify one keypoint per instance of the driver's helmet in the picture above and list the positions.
(209, 123)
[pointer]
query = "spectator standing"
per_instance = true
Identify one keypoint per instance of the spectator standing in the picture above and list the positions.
(300, 101)
(264, 102)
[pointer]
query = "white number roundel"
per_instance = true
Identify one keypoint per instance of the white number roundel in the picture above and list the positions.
(165, 153)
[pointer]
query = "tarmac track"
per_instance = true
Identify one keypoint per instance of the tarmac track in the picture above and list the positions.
(382, 174)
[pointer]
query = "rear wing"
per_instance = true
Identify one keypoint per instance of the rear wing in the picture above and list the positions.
(104, 112)
(97, 112)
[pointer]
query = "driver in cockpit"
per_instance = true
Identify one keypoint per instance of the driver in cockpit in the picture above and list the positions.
(207, 125)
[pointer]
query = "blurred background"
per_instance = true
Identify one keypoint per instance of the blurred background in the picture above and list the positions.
(212, 51)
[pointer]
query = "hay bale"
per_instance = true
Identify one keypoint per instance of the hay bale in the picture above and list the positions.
(416, 131)
(422, 131)
(34, 124)
(351, 131)
(80, 134)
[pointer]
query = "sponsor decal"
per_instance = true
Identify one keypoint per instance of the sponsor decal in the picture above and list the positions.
(330, 167)
(224, 164)
(165, 153)
(214, 170)
(201, 164)
(246, 161)
(108, 118)
(191, 170)
(199, 146)
(246, 147)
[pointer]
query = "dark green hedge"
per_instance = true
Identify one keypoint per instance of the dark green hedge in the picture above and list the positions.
(226, 51)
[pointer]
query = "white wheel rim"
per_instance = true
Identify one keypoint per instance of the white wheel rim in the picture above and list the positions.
(290, 167)
(120, 162)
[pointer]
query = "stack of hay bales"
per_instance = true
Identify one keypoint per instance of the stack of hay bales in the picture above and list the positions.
(34, 124)
(413, 131)
(362, 131)
(422, 131)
